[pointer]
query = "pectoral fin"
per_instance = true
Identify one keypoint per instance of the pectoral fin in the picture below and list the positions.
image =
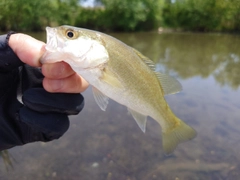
(100, 98)
(110, 78)
(140, 119)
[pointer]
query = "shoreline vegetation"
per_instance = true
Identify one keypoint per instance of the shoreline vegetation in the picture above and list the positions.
(122, 15)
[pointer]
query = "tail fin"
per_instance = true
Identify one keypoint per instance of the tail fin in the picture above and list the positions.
(172, 137)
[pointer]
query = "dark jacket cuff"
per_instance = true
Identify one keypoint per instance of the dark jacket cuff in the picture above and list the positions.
(8, 59)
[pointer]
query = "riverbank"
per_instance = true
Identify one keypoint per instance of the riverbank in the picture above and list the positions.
(122, 16)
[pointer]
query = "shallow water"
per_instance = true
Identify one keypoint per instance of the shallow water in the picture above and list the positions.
(110, 146)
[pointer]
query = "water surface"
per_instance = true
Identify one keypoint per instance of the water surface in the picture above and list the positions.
(110, 146)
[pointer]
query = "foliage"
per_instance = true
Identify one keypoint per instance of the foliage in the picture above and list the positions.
(203, 15)
(92, 18)
(125, 15)
(28, 15)
(24, 15)
(66, 11)
(121, 15)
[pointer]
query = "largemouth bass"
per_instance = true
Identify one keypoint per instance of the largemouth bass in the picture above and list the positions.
(119, 72)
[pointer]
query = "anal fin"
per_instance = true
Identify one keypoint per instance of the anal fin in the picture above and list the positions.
(140, 119)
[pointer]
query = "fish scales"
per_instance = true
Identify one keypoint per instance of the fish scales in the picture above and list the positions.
(132, 74)
(119, 72)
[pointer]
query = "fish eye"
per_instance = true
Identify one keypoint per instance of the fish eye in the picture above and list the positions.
(70, 34)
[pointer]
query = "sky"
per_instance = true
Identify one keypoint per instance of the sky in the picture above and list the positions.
(88, 3)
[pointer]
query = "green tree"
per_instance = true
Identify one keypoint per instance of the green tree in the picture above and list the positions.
(67, 11)
(93, 18)
(125, 15)
(202, 15)
(25, 14)
(30, 15)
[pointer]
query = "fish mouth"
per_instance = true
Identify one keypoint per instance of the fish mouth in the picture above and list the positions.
(52, 43)
(51, 46)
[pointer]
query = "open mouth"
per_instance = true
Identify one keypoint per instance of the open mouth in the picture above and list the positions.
(51, 39)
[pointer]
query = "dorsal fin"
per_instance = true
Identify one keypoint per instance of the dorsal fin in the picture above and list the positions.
(145, 59)
(169, 84)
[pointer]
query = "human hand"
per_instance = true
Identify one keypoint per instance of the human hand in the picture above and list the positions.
(42, 116)
(58, 77)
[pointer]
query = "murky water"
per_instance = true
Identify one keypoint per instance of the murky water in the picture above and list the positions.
(110, 146)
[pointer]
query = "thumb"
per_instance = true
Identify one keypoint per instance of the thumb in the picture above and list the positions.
(28, 49)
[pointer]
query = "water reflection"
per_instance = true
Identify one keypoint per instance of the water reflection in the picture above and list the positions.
(189, 55)
(7, 159)
(203, 56)
(109, 145)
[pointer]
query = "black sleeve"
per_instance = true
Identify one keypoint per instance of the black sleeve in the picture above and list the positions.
(8, 59)
(42, 116)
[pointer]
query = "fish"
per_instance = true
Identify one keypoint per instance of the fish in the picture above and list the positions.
(119, 72)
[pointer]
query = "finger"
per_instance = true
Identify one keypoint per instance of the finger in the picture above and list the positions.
(28, 49)
(71, 84)
(58, 70)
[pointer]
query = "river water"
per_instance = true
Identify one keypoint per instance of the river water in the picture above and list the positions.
(110, 146)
